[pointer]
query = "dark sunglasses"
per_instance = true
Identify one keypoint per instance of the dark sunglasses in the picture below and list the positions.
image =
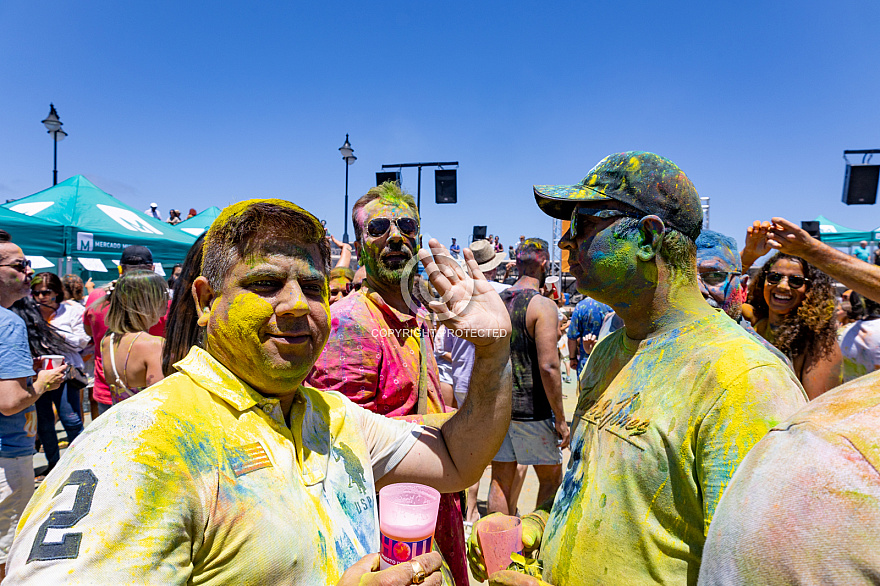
(715, 278)
(794, 281)
(378, 226)
(44, 292)
(577, 219)
(20, 266)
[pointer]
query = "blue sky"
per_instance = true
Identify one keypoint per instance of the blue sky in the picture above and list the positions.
(192, 104)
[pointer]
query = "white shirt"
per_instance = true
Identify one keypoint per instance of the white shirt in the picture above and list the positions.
(68, 321)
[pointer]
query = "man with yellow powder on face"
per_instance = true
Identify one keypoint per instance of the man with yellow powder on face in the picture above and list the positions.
(230, 471)
(668, 405)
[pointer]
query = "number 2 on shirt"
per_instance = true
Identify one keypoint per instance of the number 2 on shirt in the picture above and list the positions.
(68, 547)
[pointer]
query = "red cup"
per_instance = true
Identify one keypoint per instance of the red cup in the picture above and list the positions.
(50, 361)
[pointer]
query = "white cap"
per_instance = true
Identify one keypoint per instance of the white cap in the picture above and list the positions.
(154, 205)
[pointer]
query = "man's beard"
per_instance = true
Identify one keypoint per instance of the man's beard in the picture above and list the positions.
(386, 272)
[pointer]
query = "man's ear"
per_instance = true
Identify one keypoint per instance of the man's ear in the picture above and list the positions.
(744, 283)
(203, 297)
(651, 229)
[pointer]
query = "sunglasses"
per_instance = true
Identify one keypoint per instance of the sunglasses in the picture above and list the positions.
(379, 226)
(42, 293)
(794, 281)
(20, 266)
(715, 278)
(579, 215)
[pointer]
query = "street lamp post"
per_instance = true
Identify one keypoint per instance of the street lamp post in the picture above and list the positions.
(53, 126)
(349, 158)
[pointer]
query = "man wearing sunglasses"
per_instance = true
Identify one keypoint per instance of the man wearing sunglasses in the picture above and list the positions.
(722, 283)
(18, 419)
(668, 405)
(380, 352)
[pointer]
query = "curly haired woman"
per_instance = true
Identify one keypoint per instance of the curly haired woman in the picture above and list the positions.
(793, 304)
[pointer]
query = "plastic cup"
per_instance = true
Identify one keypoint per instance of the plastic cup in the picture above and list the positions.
(499, 536)
(407, 518)
(50, 361)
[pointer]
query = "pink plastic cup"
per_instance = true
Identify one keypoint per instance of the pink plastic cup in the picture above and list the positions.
(500, 537)
(50, 361)
(407, 518)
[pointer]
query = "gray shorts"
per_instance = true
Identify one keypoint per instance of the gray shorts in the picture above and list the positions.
(531, 443)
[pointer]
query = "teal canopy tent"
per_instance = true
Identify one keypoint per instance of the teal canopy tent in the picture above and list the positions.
(836, 235)
(35, 236)
(200, 222)
(98, 226)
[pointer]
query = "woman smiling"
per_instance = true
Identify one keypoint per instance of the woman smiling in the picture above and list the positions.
(794, 307)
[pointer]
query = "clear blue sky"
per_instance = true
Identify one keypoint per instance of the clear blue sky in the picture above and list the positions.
(193, 104)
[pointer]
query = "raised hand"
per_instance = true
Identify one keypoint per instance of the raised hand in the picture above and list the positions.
(467, 303)
(790, 238)
(756, 243)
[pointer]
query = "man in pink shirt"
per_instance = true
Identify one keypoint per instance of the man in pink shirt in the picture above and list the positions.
(380, 353)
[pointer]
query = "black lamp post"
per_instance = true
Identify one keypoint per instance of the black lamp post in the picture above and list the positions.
(349, 158)
(53, 126)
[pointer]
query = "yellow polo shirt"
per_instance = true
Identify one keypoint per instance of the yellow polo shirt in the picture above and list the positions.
(198, 480)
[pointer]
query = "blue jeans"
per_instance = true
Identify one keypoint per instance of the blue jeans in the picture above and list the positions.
(70, 413)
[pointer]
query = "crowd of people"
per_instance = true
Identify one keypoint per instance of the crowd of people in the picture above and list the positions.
(244, 413)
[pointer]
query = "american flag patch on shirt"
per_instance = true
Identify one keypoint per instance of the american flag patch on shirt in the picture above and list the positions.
(245, 459)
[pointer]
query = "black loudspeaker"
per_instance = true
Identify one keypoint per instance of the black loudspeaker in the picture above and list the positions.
(444, 186)
(480, 232)
(860, 184)
(383, 176)
(812, 228)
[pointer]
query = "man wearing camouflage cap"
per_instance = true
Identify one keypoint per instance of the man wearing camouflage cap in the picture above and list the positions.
(668, 405)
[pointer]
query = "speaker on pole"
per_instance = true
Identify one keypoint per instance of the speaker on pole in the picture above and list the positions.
(383, 176)
(480, 232)
(444, 186)
(812, 228)
(860, 184)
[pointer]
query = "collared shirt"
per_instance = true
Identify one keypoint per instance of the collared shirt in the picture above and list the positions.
(660, 427)
(374, 354)
(198, 480)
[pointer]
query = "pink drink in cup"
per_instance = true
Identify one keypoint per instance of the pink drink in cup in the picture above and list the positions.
(499, 536)
(407, 518)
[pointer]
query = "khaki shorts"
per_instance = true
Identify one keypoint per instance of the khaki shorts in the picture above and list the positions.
(531, 443)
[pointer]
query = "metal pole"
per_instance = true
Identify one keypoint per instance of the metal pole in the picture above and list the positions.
(345, 218)
(55, 161)
(419, 193)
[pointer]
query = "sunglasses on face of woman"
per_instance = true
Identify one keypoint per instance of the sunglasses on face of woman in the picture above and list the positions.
(42, 293)
(794, 281)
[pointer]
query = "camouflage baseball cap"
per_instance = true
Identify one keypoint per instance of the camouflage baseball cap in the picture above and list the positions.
(647, 182)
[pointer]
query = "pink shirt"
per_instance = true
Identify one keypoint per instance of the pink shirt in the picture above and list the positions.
(372, 356)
